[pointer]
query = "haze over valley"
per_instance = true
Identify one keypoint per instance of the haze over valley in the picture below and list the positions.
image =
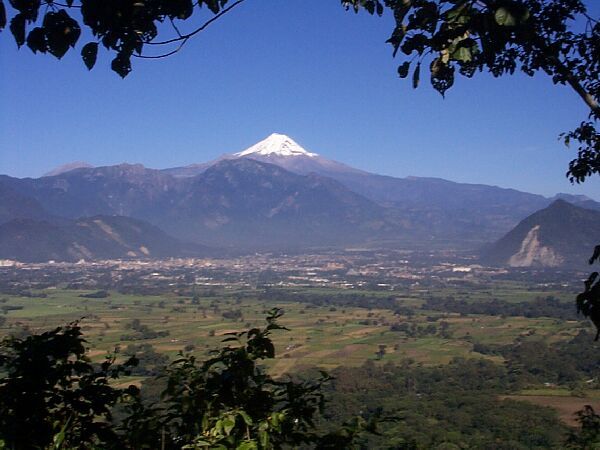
(276, 196)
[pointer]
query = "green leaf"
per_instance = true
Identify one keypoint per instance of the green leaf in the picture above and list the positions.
(504, 17)
(416, 76)
(442, 75)
(246, 417)
(458, 14)
(2, 15)
(403, 69)
(213, 5)
(62, 32)
(89, 53)
(121, 64)
(36, 40)
(263, 436)
(197, 443)
(59, 438)
(180, 9)
(401, 9)
(218, 428)
(17, 28)
(275, 420)
(247, 445)
(462, 54)
(228, 425)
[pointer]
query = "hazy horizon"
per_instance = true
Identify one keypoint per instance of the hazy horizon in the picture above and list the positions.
(68, 163)
(256, 71)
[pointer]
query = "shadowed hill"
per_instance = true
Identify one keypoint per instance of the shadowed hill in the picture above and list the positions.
(99, 237)
(248, 204)
(14, 205)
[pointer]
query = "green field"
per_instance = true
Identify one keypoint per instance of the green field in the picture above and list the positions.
(324, 336)
(328, 328)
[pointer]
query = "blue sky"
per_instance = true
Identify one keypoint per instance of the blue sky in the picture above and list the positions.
(305, 68)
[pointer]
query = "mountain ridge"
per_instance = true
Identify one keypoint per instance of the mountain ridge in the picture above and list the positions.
(274, 195)
(277, 205)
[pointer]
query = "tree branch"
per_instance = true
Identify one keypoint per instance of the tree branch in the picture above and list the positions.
(585, 95)
(588, 99)
(572, 80)
(185, 37)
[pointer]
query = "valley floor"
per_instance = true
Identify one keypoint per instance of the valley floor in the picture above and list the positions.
(523, 325)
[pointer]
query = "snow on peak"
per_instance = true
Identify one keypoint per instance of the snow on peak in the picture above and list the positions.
(276, 145)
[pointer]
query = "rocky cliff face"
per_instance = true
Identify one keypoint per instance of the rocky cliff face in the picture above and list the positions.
(560, 235)
(533, 253)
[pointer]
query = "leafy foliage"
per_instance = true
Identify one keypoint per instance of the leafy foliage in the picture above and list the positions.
(588, 151)
(588, 435)
(48, 385)
(573, 361)
(49, 390)
(540, 307)
(229, 400)
(500, 36)
(588, 302)
(122, 27)
(449, 406)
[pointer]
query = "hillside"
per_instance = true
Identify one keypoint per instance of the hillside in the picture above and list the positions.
(249, 204)
(99, 237)
(560, 235)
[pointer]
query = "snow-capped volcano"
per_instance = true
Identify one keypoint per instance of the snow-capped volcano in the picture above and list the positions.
(277, 149)
(276, 145)
(286, 153)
